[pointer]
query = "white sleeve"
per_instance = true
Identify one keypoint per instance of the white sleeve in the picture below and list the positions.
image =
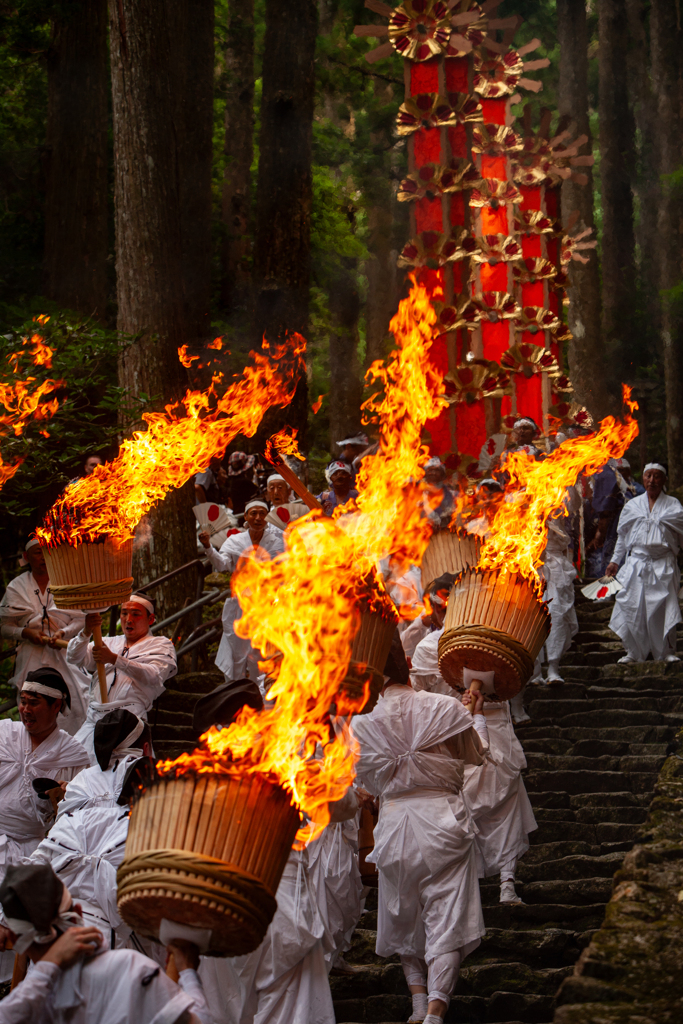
(9, 632)
(152, 671)
(27, 1002)
(222, 561)
(619, 553)
(192, 986)
(479, 723)
(79, 652)
(75, 626)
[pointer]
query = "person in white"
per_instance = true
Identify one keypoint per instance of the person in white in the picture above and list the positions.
(649, 536)
(495, 792)
(29, 616)
(74, 979)
(236, 658)
(559, 573)
(335, 877)
(86, 844)
(34, 748)
(137, 664)
(282, 510)
(414, 747)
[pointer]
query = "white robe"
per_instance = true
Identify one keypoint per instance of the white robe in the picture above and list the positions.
(116, 987)
(24, 817)
(284, 981)
(335, 879)
(24, 606)
(429, 901)
(646, 611)
(134, 681)
(560, 574)
(494, 792)
(236, 658)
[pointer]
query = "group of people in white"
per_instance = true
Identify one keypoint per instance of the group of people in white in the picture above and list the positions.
(443, 770)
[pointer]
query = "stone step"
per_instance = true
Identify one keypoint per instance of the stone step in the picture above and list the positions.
(584, 833)
(580, 917)
(604, 763)
(579, 782)
(579, 891)
(391, 1009)
(593, 718)
(663, 734)
(570, 868)
(608, 709)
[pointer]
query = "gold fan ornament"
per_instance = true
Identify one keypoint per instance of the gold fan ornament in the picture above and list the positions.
(495, 140)
(434, 249)
(529, 359)
(420, 29)
(436, 179)
(497, 75)
(464, 467)
(470, 382)
(465, 313)
(498, 248)
(536, 319)
(534, 222)
(496, 306)
(573, 247)
(495, 193)
(534, 269)
(431, 110)
(546, 160)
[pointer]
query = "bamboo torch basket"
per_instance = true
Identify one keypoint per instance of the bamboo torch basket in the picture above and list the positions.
(495, 622)
(207, 850)
(370, 648)
(449, 551)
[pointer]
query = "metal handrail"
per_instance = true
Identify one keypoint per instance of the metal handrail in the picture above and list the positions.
(209, 598)
(170, 575)
(208, 634)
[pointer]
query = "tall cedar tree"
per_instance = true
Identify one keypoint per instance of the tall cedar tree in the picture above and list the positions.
(345, 382)
(667, 74)
(239, 152)
(162, 89)
(75, 254)
(617, 159)
(284, 191)
(587, 363)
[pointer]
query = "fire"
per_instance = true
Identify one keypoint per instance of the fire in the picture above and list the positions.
(186, 359)
(217, 343)
(177, 442)
(536, 491)
(302, 608)
(283, 443)
(315, 408)
(24, 403)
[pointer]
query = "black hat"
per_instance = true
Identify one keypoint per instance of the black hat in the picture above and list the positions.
(31, 892)
(443, 582)
(42, 786)
(111, 731)
(51, 679)
(396, 667)
(138, 775)
(222, 705)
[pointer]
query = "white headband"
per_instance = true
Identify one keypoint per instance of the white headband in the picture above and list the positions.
(655, 465)
(31, 543)
(276, 476)
(139, 599)
(524, 419)
(45, 691)
(129, 740)
(255, 504)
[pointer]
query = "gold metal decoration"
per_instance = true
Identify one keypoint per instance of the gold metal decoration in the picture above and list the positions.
(496, 306)
(572, 247)
(470, 382)
(495, 140)
(529, 359)
(420, 29)
(534, 222)
(498, 248)
(546, 160)
(433, 249)
(535, 319)
(495, 193)
(430, 110)
(497, 75)
(465, 313)
(534, 269)
(436, 179)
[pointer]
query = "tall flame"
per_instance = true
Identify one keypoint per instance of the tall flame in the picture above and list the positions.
(283, 443)
(175, 445)
(24, 403)
(536, 491)
(302, 608)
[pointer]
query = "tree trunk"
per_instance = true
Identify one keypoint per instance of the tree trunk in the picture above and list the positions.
(283, 229)
(75, 258)
(160, 53)
(587, 363)
(382, 299)
(239, 151)
(345, 384)
(667, 40)
(617, 159)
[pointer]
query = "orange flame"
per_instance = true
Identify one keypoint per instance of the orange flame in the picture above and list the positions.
(304, 604)
(177, 442)
(216, 343)
(22, 404)
(536, 491)
(283, 443)
(315, 408)
(185, 359)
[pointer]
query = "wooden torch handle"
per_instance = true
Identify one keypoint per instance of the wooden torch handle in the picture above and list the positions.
(101, 670)
(297, 485)
(172, 969)
(475, 687)
(20, 969)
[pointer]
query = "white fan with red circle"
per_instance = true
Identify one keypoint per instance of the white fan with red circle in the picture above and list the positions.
(603, 588)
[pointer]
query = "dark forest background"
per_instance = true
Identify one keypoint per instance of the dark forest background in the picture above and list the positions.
(175, 170)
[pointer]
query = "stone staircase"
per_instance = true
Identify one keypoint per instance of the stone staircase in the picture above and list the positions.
(171, 718)
(594, 748)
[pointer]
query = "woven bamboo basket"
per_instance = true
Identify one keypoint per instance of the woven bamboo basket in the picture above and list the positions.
(369, 652)
(207, 851)
(494, 622)
(90, 576)
(449, 551)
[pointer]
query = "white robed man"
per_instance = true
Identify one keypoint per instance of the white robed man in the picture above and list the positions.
(559, 573)
(86, 844)
(649, 536)
(137, 665)
(414, 747)
(75, 979)
(236, 658)
(34, 748)
(495, 792)
(282, 510)
(29, 616)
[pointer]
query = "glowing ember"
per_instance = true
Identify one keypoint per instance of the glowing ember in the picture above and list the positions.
(186, 359)
(536, 491)
(304, 604)
(315, 408)
(217, 343)
(24, 403)
(283, 443)
(176, 444)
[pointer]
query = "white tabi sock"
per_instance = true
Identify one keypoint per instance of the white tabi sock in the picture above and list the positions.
(419, 1008)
